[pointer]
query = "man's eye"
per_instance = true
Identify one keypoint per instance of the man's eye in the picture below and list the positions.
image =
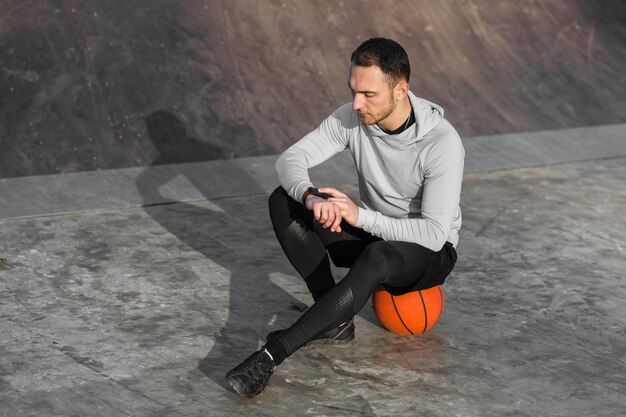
(369, 95)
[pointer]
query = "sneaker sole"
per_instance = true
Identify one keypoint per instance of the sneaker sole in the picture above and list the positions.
(333, 342)
(343, 342)
(236, 386)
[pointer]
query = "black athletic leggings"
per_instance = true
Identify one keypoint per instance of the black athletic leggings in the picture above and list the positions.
(399, 266)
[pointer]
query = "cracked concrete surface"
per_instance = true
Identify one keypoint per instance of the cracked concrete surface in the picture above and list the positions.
(142, 310)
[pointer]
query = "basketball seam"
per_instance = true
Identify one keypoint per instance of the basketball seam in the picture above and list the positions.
(441, 301)
(425, 312)
(393, 300)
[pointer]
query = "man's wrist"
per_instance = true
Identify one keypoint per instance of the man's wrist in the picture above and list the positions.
(305, 195)
(314, 191)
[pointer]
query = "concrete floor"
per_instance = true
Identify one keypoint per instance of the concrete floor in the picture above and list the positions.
(142, 310)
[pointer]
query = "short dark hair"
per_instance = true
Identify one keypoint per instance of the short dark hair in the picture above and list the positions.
(386, 54)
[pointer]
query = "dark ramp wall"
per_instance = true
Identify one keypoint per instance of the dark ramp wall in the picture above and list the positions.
(90, 85)
(107, 84)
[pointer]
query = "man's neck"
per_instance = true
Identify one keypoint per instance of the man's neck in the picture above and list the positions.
(395, 120)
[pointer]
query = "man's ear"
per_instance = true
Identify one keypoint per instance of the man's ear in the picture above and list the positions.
(401, 90)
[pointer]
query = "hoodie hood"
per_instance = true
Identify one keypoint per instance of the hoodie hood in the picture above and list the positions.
(427, 116)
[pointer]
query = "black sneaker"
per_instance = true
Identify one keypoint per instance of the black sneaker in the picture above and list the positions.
(250, 377)
(341, 335)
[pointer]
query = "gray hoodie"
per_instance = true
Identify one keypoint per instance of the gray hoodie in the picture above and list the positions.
(409, 183)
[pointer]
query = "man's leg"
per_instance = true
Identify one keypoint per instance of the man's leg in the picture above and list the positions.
(400, 266)
(306, 242)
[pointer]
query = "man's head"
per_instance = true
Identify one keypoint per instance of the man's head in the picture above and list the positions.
(386, 54)
(379, 75)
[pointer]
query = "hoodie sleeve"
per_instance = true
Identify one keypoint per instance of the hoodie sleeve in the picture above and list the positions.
(330, 138)
(440, 201)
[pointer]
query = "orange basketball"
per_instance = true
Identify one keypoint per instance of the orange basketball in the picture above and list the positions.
(411, 313)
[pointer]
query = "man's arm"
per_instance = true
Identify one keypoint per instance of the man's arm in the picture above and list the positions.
(330, 138)
(440, 202)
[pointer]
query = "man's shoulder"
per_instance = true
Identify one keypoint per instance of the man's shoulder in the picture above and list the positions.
(346, 107)
(446, 133)
(443, 139)
(345, 111)
(344, 117)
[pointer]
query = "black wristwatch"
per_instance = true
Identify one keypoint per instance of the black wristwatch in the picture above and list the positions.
(314, 191)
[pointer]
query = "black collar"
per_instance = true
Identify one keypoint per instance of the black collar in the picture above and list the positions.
(404, 126)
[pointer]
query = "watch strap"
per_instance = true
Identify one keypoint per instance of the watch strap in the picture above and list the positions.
(314, 191)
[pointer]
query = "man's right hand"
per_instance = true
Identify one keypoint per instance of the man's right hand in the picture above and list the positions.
(325, 212)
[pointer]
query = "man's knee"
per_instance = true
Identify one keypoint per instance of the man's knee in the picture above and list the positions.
(285, 212)
(278, 197)
(281, 205)
(381, 256)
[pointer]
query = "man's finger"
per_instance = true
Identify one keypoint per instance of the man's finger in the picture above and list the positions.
(329, 223)
(335, 226)
(330, 190)
(338, 200)
(324, 214)
(329, 215)
(342, 203)
(335, 213)
(317, 211)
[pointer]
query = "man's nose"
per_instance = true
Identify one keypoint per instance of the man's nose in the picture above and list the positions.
(357, 102)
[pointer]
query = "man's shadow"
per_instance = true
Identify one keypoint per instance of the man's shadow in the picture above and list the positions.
(228, 234)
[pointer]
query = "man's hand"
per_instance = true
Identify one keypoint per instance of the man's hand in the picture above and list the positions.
(347, 209)
(325, 212)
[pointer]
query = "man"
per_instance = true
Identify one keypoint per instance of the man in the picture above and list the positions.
(403, 235)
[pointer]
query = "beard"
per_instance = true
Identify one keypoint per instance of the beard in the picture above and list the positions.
(375, 118)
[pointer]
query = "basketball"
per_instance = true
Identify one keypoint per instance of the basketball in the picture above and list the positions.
(415, 312)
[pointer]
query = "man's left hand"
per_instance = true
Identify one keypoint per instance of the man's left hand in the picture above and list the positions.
(349, 210)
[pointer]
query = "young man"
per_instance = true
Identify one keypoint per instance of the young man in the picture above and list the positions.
(402, 236)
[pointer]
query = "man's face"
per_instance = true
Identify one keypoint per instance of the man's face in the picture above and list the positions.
(373, 97)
